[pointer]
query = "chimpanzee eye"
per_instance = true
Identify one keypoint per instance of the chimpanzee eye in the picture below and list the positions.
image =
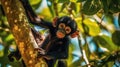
(61, 25)
(67, 29)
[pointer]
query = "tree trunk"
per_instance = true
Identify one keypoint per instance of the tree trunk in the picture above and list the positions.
(22, 34)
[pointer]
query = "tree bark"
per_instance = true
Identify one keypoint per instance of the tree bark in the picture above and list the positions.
(21, 31)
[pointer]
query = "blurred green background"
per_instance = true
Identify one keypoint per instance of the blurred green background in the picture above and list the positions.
(98, 22)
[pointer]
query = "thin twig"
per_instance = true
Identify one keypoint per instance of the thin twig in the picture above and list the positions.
(100, 21)
(85, 58)
(69, 9)
(103, 23)
(83, 52)
(55, 7)
(80, 44)
(5, 29)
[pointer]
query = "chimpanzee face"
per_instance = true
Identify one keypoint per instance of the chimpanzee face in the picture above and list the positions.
(65, 26)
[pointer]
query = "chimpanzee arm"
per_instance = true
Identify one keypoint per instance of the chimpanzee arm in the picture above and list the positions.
(32, 17)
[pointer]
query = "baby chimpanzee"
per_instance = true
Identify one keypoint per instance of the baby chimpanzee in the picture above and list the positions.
(55, 45)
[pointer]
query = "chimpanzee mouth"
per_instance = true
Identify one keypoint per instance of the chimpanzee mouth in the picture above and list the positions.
(60, 34)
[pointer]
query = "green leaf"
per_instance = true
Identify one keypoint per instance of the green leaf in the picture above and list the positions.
(75, 63)
(93, 28)
(115, 6)
(73, 6)
(86, 48)
(105, 41)
(73, 1)
(109, 18)
(9, 37)
(80, 0)
(63, 1)
(91, 7)
(46, 13)
(105, 5)
(35, 4)
(116, 37)
(79, 23)
(119, 19)
(71, 56)
(50, 6)
(63, 6)
(1, 52)
(85, 28)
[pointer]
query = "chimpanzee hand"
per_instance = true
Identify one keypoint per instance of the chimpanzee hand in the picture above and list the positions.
(47, 57)
(40, 51)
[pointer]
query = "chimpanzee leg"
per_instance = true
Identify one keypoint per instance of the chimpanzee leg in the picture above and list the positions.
(23, 63)
(62, 63)
(16, 54)
(51, 62)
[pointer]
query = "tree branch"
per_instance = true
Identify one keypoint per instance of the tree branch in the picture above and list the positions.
(21, 31)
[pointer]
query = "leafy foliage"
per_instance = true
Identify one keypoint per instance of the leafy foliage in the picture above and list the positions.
(93, 28)
(95, 19)
(91, 7)
(116, 38)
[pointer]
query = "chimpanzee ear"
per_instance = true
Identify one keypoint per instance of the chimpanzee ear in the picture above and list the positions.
(75, 34)
(55, 21)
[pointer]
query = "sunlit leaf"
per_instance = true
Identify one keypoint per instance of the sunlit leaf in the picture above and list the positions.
(79, 24)
(1, 53)
(73, 0)
(9, 37)
(35, 3)
(91, 7)
(46, 13)
(105, 41)
(92, 26)
(78, 7)
(116, 37)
